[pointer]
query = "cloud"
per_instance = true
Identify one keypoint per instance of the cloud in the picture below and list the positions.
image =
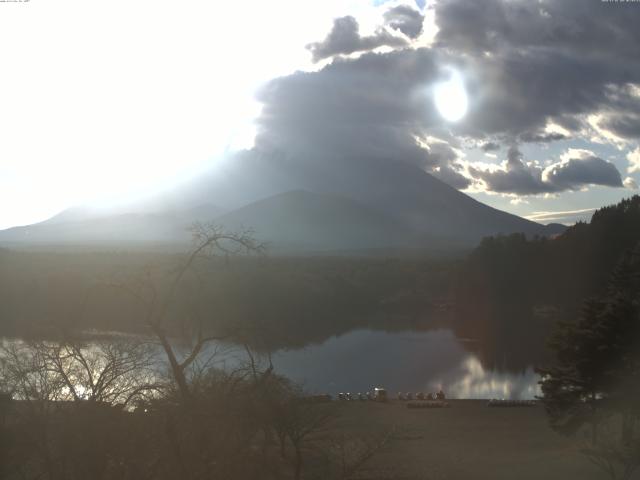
(490, 146)
(344, 38)
(630, 183)
(624, 125)
(634, 161)
(513, 177)
(552, 60)
(577, 169)
(525, 64)
(353, 108)
(544, 137)
(378, 109)
(566, 216)
(586, 28)
(406, 19)
(452, 175)
(443, 162)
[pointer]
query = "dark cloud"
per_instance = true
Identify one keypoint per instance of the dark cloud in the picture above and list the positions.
(380, 102)
(529, 137)
(552, 60)
(376, 110)
(622, 115)
(518, 88)
(452, 176)
(515, 177)
(344, 38)
(406, 19)
(623, 125)
(354, 108)
(520, 91)
(442, 161)
(490, 146)
(579, 170)
(584, 27)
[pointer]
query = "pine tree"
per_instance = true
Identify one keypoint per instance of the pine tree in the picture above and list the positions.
(595, 382)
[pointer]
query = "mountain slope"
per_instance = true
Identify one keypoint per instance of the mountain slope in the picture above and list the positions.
(291, 221)
(401, 190)
(81, 226)
(300, 220)
(107, 231)
(428, 204)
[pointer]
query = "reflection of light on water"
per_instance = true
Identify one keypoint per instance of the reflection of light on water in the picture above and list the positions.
(476, 382)
(357, 361)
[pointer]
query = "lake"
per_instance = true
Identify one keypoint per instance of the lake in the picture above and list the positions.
(401, 361)
(406, 361)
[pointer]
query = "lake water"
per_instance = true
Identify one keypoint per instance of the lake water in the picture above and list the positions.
(405, 361)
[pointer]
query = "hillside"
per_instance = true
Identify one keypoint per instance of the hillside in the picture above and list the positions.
(511, 290)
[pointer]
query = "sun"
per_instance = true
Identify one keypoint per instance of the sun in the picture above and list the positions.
(450, 98)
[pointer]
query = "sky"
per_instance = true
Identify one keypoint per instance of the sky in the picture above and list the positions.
(529, 106)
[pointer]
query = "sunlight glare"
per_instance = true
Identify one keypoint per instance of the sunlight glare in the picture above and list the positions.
(114, 117)
(450, 98)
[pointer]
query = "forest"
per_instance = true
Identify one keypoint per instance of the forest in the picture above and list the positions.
(511, 290)
(507, 290)
(291, 301)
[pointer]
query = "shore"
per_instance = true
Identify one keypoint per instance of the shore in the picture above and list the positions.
(467, 440)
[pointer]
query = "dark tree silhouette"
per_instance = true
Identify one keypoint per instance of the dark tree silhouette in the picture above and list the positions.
(210, 240)
(595, 380)
(512, 289)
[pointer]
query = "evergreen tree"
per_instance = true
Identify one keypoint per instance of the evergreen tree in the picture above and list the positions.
(595, 382)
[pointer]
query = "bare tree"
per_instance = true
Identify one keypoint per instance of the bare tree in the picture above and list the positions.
(210, 240)
(63, 394)
(300, 422)
(115, 372)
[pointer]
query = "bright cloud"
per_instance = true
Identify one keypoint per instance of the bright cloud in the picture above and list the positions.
(103, 100)
(634, 160)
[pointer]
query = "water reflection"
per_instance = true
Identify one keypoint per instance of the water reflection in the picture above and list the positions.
(361, 359)
(408, 361)
(477, 382)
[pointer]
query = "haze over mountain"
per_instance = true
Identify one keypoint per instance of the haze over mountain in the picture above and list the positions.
(394, 205)
(304, 221)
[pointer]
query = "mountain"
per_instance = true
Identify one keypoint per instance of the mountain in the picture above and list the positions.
(356, 206)
(305, 221)
(399, 190)
(80, 226)
(295, 221)
(427, 204)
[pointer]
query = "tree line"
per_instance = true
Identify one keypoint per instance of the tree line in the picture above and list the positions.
(571, 304)
(294, 301)
(512, 290)
(592, 387)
